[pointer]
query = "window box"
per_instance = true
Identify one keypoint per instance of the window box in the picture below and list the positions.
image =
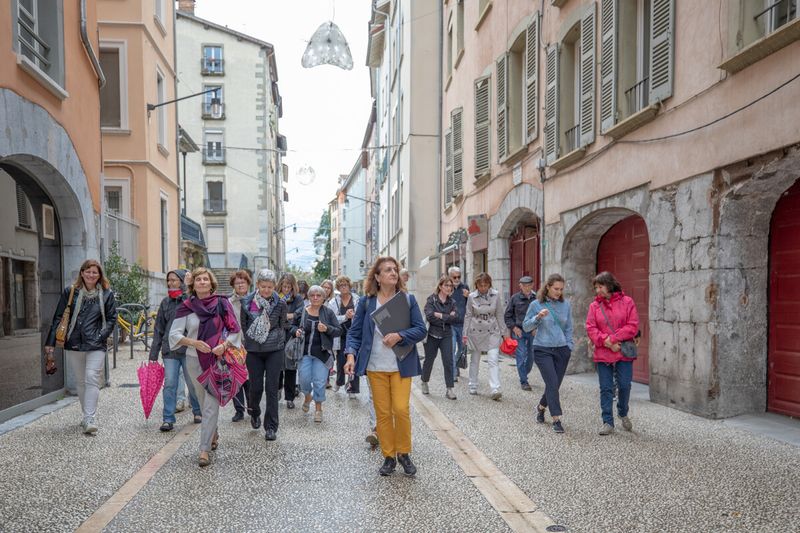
(633, 122)
(570, 158)
(765, 46)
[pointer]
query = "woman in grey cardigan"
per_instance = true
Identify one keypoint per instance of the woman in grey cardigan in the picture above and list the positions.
(484, 330)
(318, 326)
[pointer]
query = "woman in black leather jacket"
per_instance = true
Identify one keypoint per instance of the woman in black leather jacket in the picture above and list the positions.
(93, 314)
(264, 326)
(441, 312)
(290, 293)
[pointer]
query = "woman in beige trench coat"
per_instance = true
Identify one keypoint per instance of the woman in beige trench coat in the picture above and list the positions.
(484, 330)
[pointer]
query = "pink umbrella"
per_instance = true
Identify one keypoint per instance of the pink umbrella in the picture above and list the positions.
(223, 379)
(151, 378)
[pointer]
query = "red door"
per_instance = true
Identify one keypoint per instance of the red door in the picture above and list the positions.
(625, 252)
(524, 255)
(783, 375)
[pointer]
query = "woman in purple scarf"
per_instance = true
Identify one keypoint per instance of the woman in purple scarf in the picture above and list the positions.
(205, 323)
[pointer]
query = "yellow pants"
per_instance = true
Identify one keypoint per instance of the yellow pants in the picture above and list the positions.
(391, 395)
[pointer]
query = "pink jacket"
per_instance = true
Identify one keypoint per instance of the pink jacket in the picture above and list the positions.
(621, 312)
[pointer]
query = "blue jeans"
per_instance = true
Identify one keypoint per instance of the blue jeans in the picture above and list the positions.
(458, 345)
(313, 376)
(524, 355)
(624, 373)
(172, 369)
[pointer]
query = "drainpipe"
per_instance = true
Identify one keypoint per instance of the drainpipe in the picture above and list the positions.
(440, 10)
(87, 44)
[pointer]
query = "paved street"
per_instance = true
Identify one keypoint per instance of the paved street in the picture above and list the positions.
(674, 472)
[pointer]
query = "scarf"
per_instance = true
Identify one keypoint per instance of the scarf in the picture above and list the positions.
(175, 293)
(259, 329)
(216, 317)
(88, 295)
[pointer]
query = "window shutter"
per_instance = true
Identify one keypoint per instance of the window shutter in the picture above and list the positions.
(608, 64)
(532, 80)
(23, 219)
(551, 134)
(458, 151)
(662, 24)
(448, 168)
(502, 106)
(587, 78)
(482, 135)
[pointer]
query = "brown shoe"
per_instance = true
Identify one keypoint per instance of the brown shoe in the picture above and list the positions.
(203, 460)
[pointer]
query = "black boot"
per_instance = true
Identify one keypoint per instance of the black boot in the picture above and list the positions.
(405, 461)
(388, 467)
(255, 422)
(238, 416)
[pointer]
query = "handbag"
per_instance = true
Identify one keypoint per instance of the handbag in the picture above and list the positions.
(627, 348)
(63, 325)
(461, 362)
(293, 352)
(235, 355)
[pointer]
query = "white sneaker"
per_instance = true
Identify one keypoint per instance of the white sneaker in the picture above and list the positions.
(607, 429)
(473, 392)
(424, 387)
(450, 394)
(496, 395)
(89, 427)
(180, 406)
(626, 423)
(335, 388)
(352, 395)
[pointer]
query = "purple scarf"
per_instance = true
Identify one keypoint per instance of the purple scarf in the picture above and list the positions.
(216, 317)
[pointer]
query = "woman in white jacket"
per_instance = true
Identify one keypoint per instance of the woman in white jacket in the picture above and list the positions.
(484, 330)
(344, 306)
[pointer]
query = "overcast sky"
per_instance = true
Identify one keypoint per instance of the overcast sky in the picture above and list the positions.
(325, 109)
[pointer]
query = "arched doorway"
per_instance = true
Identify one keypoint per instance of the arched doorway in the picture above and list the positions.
(524, 253)
(783, 370)
(624, 250)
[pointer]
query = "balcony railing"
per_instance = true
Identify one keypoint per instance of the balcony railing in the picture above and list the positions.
(212, 67)
(214, 156)
(192, 231)
(214, 206)
(637, 96)
(123, 232)
(573, 137)
(208, 111)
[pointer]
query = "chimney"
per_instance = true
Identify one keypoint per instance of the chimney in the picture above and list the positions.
(186, 6)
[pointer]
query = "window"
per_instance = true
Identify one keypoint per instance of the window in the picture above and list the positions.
(482, 127)
(114, 200)
(517, 92)
(164, 236)
(159, 12)
(214, 151)
(215, 198)
(40, 39)
(569, 95)
(398, 123)
(212, 63)
(215, 237)
(113, 96)
(450, 45)
(23, 209)
(398, 40)
(458, 151)
(162, 113)
(208, 110)
(459, 42)
(636, 58)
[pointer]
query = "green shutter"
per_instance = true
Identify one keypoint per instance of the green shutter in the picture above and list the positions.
(532, 79)
(608, 63)
(662, 49)
(551, 133)
(502, 106)
(482, 127)
(587, 77)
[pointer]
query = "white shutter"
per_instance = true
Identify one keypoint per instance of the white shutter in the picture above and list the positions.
(502, 106)
(482, 127)
(532, 80)
(215, 238)
(551, 134)
(448, 167)
(587, 78)
(608, 63)
(662, 49)
(458, 151)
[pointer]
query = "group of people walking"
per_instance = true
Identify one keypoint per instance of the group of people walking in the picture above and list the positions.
(196, 325)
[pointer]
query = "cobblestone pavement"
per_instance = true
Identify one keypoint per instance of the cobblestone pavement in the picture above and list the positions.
(674, 472)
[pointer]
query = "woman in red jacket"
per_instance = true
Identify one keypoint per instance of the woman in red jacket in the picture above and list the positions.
(612, 320)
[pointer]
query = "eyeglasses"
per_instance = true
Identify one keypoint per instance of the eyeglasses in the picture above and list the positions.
(455, 277)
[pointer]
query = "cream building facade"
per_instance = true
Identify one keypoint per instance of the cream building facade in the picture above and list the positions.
(235, 185)
(666, 135)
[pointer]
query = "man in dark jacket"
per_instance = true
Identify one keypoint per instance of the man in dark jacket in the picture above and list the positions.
(174, 360)
(460, 295)
(514, 316)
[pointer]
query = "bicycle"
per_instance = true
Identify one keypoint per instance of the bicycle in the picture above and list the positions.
(138, 325)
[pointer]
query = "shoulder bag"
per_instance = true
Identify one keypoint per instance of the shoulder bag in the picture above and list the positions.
(628, 348)
(63, 325)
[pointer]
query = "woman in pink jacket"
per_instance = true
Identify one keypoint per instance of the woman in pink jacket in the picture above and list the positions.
(612, 320)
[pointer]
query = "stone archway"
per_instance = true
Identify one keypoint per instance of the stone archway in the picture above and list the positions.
(522, 203)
